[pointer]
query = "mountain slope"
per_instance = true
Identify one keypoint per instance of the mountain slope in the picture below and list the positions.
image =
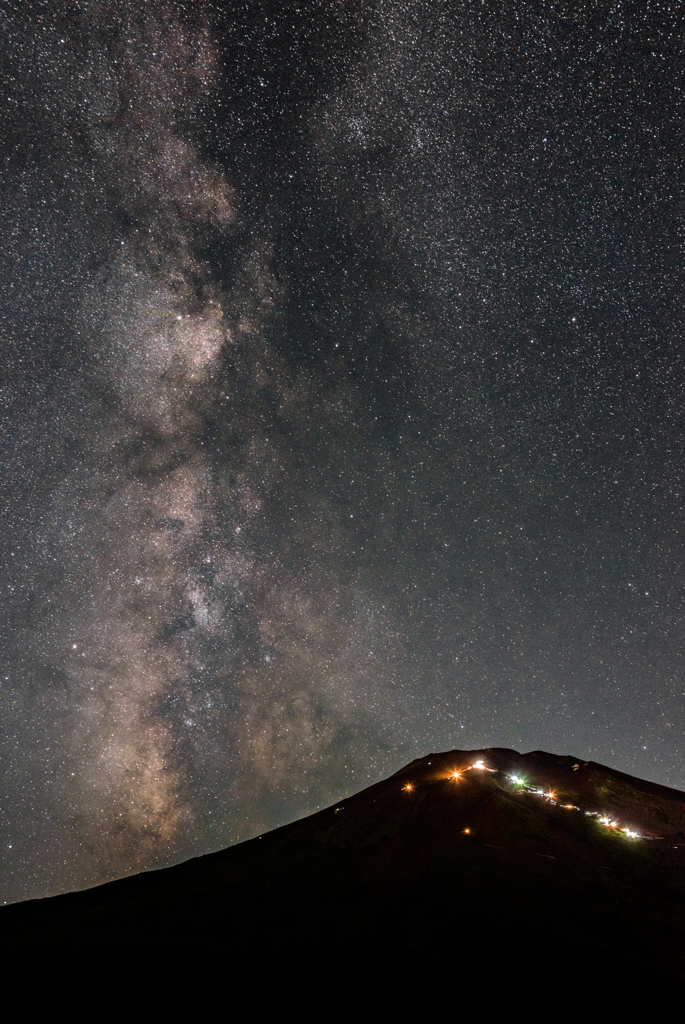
(457, 858)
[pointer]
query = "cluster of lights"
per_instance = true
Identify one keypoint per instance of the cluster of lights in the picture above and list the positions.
(602, 818)
(608, 823)
(549, 796)
(539, 792)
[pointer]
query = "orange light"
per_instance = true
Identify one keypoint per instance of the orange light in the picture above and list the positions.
(456, 775)
(408, 788)
(467, 830)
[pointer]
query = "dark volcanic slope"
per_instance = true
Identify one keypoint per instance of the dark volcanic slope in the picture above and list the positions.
(415, 875)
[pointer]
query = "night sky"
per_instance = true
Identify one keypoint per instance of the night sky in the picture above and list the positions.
(342, 402)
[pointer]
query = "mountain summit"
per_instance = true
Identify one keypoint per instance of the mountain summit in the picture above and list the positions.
(536, 862)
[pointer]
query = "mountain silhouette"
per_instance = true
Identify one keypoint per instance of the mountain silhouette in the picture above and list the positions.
(483, 877)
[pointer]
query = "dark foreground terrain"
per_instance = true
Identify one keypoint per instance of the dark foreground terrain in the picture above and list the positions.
(489, 893)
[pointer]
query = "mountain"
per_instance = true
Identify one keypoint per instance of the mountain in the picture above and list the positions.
(484, 877)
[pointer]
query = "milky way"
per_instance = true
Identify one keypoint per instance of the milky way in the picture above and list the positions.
(342, 408)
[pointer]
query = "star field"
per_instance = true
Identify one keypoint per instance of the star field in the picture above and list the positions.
(342, 408)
